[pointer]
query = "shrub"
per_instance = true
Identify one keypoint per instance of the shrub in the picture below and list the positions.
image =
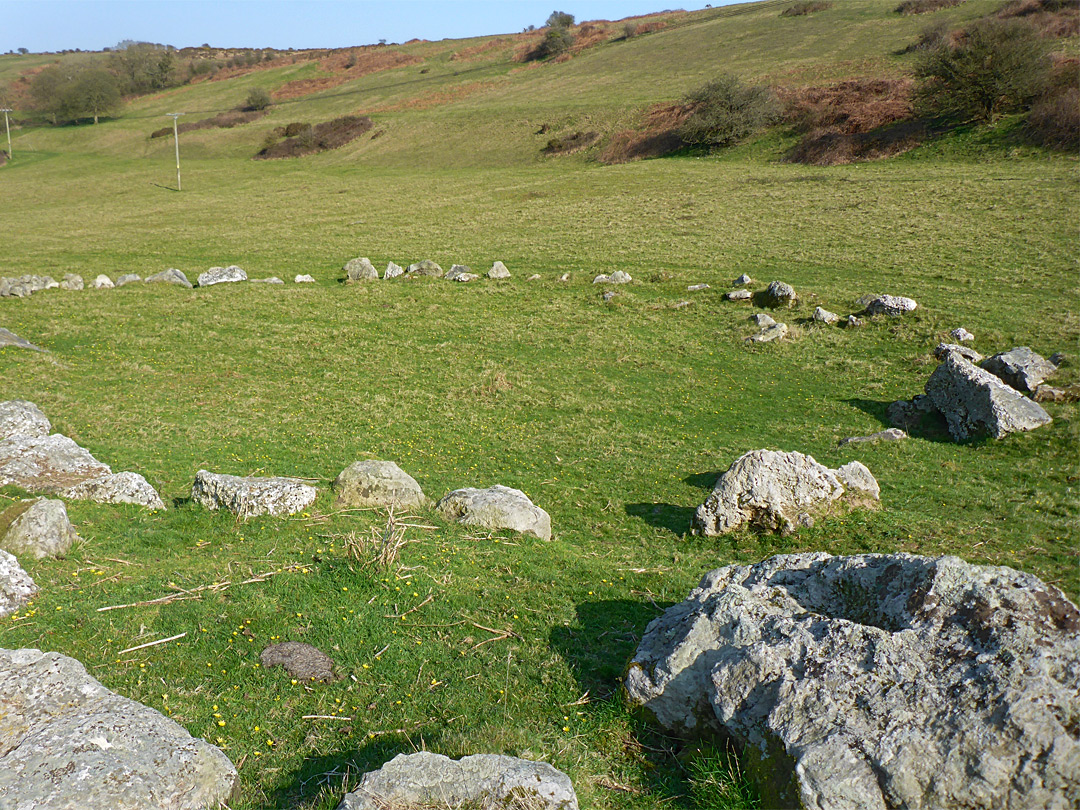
(725, 111)
(555, 41)
(559, 19)
(630, 30)
(804, 8)
(296, 128)
(925, 6)
(257, 99)
(994, 67)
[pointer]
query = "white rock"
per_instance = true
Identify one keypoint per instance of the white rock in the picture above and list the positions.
(40, 530)
(890, 305)
(366, 484)
(16, 589)
(498, 270)
(961, 334)
(393, 270)
(270, 280)
(248, 497)
(741, 280)
(102, 282)
(496, 507)
(739, 295)
(697, 287)
(360, 269)
(303, 278)
(822, 315)
(222, 275)
(19, 417)
(170, 276)
(127, 278)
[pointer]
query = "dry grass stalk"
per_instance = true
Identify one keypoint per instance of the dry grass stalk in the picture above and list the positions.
(381, 546)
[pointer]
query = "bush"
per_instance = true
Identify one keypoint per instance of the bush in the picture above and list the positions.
(559, 19)
(630, 30)
(555, 41)
(725, 111)
(1054, 121)
(994, 67)
(801, 9)
(257, 99)
(925, 6)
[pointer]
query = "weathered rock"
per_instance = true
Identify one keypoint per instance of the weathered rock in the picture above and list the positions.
(1046, 393)
(777, 331)
(303, 278)
(248, 497)
(486, 781)
(496, 507)
(890, 305)
(393, 270)
(16, 589)
(127, 278)
(9, 338)
(741, 280)
(270, 280)
(463, 277)
(822, 315)
(121, 487)
(102, 282)
(889, 435)
(618, 277)
(739, 295)
(302, 661)
(68, 742)
(221, 275)
(72, 281)
(778, 294)
(907, 414)
(778, 491)
(21, 418)
(1021, 368)
(876, 681)
(425, 268)
(38, 528)
(170, 276)
(13, 288)
(975, 402)
(498, 270)
(966, 352)
(377, 483)
(533, 277)
(962, 335)
(762, 320)
(697, 287)
(853, 321)
(46, 464)
(360, 269)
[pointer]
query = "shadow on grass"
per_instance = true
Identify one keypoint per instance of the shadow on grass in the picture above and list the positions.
(675, 519)
(704, 480)
(931, 427)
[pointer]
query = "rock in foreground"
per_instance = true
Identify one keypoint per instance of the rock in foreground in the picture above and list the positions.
(19, 417)
(876, 681)
(68, 742)
(248, 497)
(780, 294)
(778, 491)
(498, 270)
(38, 529)
(483, 781)
(496, 507)
(377, 483)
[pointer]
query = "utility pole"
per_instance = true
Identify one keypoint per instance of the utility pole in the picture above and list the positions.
(176, 140)
(7, 126)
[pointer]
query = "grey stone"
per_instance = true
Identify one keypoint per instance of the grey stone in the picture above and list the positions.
(889, 435)
(907, 414)
(1021, 368)
(962, 335)
(377, 483)
(16, 589)
(393, 270)
(739, 295)
(486, 781)
(121, 487)
(9, 338)
(47, 464)
(302, 661)
(876, 681)
(21, 418)
(697, 287)
(102, 282)
(822, 315)
(760, 319)
(303, 278)
(853, 321)
(248, 497)
(425, 268)
(498, 270)
(457, 270)
(975, 402)
(777, 331)
(360, 269)
(127, 278)
(966, 352)
(741, 280)
(13, 288)
(890, 305)
(496, 507)
(461, 275)
(270, 280)
(170, 276)
(221, 275)
(778, 294)
(72, 281)
(67, 742)
(38, 528)
(779, 491)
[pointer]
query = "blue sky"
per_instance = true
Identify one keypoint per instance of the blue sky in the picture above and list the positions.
(53, 25)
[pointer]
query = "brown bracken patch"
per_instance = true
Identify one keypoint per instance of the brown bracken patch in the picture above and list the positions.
(345, 66)
(658, 135)
(225, 120)
(320, 138)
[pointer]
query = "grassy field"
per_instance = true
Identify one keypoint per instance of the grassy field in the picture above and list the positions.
(615, 417)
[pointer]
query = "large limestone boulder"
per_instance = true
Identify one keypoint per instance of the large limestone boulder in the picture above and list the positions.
(890, 305)
(16, 589)
(9, 338)
(484, 780)
(876, 681)
(976, 403)
(121, 487)
(377, 483)
(496, 507)
(968, 353)
(779, 491)
(67, 742)
(170, 276)
(37, 529)
(248, 497)
(780, 294)
(360, 269)
(128, 278)
(1021, 368)
(18, 417)
(393, 270)
(822, 315)
(102, 282)
(425, 268)
(72, 281)
(498, 270)
(221, 275)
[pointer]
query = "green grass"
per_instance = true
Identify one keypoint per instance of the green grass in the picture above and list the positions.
(615, 417)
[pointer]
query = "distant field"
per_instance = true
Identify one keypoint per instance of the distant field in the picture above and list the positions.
(615, 417)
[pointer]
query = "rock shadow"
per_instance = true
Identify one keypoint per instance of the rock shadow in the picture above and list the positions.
(931, 427)
(673, 518)
(704, 480)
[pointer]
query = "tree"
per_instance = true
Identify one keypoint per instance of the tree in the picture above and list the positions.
(559, 19)
(995, 67)
(725, 111)
(23, 51)
(257, 99)
(93, 92)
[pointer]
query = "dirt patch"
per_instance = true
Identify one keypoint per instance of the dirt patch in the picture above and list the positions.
(225, 120)
(658, 135)
(565, 144)
(343, 66)
(319, 138)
